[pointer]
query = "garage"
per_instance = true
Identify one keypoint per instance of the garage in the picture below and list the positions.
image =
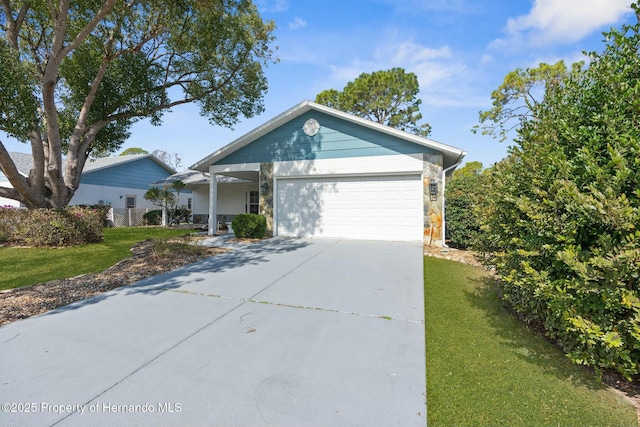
(320, 172)
(357, 207)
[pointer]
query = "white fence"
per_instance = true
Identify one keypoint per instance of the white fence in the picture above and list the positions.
(122, 217)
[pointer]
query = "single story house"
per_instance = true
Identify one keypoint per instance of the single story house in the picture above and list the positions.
(314, 171)
(119, 181)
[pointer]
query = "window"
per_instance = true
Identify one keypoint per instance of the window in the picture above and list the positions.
(253, 202)
(130, 202)
(189, 203)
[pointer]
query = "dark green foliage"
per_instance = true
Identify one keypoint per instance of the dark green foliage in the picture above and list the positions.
(562, 225)
(51, 227)
(180, 215)
(463, 198)
(251, 226)
(153, 217)
(388, 97)
(167, 199)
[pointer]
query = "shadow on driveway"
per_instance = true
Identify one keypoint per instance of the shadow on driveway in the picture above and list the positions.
(240, 255)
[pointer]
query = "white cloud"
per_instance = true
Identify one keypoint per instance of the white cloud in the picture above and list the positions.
(562, 21)
(272, 6)
(297, 23)
(437, 70)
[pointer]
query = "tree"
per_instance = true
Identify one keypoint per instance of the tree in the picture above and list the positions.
(469, 169)
(515, 100)
(174, 160)
(76, 75)
(133, 150)
(562, 225)
(167, 200)
(387, 97)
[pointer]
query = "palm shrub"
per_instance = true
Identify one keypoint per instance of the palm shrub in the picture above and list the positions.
(562, 222)
(250, 226)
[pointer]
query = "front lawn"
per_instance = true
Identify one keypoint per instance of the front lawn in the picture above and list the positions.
(29, 266)
(485, 368)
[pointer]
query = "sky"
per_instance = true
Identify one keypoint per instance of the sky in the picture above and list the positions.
(460, 50)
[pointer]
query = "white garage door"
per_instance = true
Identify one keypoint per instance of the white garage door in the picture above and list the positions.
(377, 208)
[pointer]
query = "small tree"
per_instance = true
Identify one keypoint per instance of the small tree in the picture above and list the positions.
(168, 200)
(174, 160)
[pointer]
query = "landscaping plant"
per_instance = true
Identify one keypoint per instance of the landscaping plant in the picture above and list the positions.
(51, 227)
(250, 226)
(464, 196)
(562, 222)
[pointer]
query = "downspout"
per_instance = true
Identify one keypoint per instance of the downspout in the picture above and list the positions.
(444, 181)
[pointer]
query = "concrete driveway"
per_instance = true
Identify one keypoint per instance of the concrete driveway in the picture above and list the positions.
(285, 332)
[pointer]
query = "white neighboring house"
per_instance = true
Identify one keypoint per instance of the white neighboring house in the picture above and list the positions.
(119, 181)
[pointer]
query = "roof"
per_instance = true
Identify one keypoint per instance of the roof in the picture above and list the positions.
(192, 177)
(24, 162)
(93, 165)
(451, 154)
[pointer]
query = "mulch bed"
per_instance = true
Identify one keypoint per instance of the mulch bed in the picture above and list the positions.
(16, 304)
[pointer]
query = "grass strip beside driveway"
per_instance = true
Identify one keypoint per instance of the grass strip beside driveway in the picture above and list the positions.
(485, 368)
(30, 266)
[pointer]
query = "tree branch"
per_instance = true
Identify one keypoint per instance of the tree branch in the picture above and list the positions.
(104, 11)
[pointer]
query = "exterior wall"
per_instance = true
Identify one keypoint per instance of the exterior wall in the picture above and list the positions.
(200, 200)
(335, 139)
(136, 174)
(4, 201)
(88, 194)
(232, 198)
(432, 174)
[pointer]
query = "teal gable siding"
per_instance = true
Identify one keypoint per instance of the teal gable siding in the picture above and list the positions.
(137, 174)
(336, 139)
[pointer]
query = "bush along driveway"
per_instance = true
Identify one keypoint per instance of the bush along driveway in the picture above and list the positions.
(484, 367)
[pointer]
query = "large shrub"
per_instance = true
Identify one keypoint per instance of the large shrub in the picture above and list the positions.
(51, 227)
(562, 225)
(250, 226)
(153, 217)
(464, 196)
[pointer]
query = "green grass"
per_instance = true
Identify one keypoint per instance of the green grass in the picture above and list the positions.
(485, 368)
(29, 266)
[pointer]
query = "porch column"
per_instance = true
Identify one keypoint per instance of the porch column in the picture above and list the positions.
(213, 204)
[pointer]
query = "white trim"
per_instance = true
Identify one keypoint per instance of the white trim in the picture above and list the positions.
(373, 165)
(239, 167)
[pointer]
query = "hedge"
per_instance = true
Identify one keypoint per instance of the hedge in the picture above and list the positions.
(51, 227)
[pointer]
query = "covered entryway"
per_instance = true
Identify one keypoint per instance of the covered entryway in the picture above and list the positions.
(357, 207)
